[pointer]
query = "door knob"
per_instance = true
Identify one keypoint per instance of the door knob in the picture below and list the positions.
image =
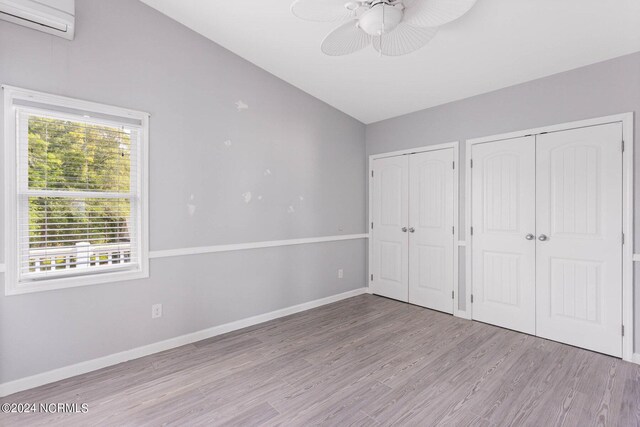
(404, 229)
(542, 237)
(412, 230)
(529, 236)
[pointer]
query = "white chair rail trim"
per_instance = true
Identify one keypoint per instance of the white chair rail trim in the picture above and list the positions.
(253, 245)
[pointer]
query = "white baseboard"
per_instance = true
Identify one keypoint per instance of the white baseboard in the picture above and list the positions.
(113, 359)
(636, 358)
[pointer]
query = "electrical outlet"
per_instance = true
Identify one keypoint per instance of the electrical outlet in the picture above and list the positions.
(156, 311)
(340, 273)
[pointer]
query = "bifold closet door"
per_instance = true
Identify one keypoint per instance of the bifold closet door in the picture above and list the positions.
(390, 264)
(579, 246)
(431, 245)
(503, 221)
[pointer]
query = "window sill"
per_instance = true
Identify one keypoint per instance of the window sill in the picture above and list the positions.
(73, 282)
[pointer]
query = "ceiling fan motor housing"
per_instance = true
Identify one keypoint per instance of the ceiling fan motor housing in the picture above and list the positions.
(382, 18)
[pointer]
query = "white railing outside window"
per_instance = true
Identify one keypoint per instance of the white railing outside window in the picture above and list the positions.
(83, 255)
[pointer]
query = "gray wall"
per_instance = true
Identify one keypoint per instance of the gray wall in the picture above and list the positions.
(601, 89)
(129, 55)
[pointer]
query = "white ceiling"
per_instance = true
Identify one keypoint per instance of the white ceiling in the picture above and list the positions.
(497, 44)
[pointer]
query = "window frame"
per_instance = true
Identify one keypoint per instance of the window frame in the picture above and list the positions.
(12, 146)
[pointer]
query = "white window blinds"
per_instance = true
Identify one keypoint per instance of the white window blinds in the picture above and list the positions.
(78, 195)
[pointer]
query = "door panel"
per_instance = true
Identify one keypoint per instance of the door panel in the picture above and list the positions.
(431, 215)
(503, 214)
(579, 209)
(390, 242)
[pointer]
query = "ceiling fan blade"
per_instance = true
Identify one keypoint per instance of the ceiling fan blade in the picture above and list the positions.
(323, 10)
(433, 13)
(403, 39)
(345, 39)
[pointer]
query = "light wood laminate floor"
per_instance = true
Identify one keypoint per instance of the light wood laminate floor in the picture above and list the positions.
(363, 361)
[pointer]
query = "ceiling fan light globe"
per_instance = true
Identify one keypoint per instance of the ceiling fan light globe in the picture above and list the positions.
(351, 5)
(380, 19)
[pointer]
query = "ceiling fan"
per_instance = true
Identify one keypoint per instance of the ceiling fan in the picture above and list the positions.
(393, 27)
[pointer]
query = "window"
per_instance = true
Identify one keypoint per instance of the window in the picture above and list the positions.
(76, 192)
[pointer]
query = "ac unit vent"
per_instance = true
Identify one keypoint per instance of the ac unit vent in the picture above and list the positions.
(56, 17)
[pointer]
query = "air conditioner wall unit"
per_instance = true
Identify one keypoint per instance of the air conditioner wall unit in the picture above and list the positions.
(55, 17)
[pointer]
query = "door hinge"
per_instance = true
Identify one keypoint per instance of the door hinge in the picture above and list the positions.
(471, 162)
(453, 230)
(472, 231)
(623, 237)
(371, 174)
(471, 298)
(452, 294)
(372, 225)
(623, 145)
(372, 277)
(622, 330)
(453, 165)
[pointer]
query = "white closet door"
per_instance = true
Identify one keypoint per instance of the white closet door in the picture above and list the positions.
(390, 223)
(579, 248)
(431, 217)
(503, 244)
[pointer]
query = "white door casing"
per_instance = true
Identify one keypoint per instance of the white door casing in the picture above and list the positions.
(390, 201)
(431, 233)
(503, 221)
(579, 256)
